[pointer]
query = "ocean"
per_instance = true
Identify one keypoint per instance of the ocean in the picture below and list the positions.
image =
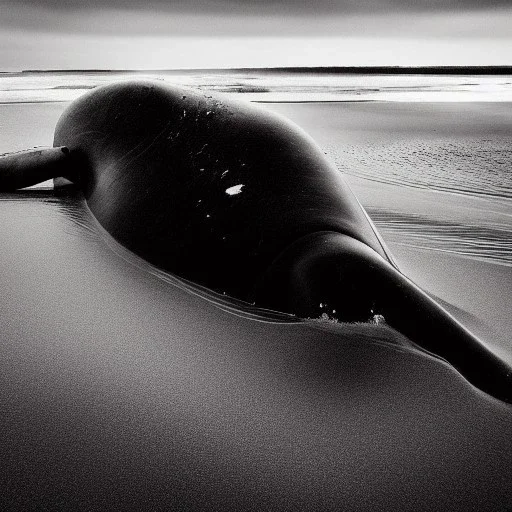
(263, 86)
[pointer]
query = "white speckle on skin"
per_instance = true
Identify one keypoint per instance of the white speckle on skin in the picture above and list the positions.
(378, 319)
(224, 173)
(207, 215)
(233, 191)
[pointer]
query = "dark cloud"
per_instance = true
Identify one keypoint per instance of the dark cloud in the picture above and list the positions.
(273, 6)
(233, 18)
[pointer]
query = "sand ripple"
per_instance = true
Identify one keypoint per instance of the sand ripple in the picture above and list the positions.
(483, 243)
(466, 166)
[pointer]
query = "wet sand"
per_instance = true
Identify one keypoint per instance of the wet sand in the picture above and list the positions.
(124, 387)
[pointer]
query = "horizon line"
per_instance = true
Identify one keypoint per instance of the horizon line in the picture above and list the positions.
(485, 70)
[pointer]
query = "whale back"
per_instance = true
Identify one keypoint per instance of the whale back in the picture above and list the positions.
(208, 188)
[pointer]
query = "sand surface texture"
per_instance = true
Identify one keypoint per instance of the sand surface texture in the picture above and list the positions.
(121, 387)
(125, 387)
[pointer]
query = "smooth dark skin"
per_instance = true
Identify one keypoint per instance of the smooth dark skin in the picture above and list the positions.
(334, 274)
(245, 203)
(159, 160)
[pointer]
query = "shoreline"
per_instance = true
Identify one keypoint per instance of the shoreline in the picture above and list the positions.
(363, 70)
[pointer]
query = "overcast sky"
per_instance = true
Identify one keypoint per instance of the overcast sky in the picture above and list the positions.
(155, 34)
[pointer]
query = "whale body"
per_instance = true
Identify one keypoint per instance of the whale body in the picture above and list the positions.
(210, 189)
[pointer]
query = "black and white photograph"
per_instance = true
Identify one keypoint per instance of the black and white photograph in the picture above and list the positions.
(256, 255)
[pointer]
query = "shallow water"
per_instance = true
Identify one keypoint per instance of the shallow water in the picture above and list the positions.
(282, 87)
(483, 243)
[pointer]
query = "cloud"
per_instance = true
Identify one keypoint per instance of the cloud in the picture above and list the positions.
(82, 51)
(122, 20)
(224, 33)
(300, 7)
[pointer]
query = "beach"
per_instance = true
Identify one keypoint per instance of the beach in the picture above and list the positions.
(125, 386)
(449, 232)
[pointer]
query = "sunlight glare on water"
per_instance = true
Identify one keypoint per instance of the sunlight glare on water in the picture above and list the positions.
(55, 86)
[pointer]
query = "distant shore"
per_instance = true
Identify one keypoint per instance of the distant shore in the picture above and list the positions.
(366, 70)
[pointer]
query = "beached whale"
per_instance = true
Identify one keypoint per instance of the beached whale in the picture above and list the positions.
(241, 201)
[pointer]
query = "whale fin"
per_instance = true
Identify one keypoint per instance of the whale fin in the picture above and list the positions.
(30, 167)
